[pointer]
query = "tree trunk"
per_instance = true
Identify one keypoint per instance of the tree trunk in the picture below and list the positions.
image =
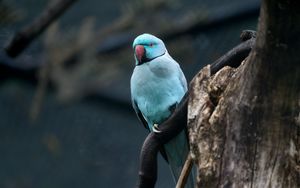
(244, 123)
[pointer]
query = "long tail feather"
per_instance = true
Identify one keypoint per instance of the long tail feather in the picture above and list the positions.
(177, 151)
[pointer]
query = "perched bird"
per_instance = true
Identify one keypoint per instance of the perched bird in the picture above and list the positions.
(157, 86)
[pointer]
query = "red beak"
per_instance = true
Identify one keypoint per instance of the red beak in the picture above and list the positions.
(139, 52)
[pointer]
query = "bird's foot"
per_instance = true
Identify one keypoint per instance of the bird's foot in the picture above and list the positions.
(155, 128)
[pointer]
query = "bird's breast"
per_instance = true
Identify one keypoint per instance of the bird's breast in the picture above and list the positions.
(156, 88)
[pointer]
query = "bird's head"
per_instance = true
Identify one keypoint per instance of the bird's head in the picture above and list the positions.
(147, 47)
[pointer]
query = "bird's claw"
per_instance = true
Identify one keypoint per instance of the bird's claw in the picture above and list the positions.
(155, 128)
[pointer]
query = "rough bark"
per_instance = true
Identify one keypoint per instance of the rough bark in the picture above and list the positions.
(245, 123)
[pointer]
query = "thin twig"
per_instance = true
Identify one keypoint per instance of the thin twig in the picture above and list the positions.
(186, 170)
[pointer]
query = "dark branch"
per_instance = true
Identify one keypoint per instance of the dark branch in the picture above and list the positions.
(148, 162)
(247, 34)
(24, 37)
(234, 57)
(178, 120)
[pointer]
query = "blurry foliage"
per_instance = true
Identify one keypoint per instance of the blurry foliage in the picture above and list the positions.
(160, 16)
(9, 14)
(75, 70)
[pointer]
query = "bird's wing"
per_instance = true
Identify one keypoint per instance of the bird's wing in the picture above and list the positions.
(139, 114)
(144, 122)
(180, 74)
(182, 79)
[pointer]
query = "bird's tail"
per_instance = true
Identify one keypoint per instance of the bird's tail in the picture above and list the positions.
(177, 150)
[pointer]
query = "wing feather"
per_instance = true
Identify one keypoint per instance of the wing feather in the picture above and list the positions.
(139, 114)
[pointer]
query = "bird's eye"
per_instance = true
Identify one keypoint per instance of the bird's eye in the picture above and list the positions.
(151, 44)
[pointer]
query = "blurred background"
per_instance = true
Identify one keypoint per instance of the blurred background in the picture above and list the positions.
(65, 112)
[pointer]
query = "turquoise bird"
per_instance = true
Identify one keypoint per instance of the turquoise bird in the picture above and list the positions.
(157, 86)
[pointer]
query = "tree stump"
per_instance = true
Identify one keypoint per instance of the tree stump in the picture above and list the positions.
(244, 123)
